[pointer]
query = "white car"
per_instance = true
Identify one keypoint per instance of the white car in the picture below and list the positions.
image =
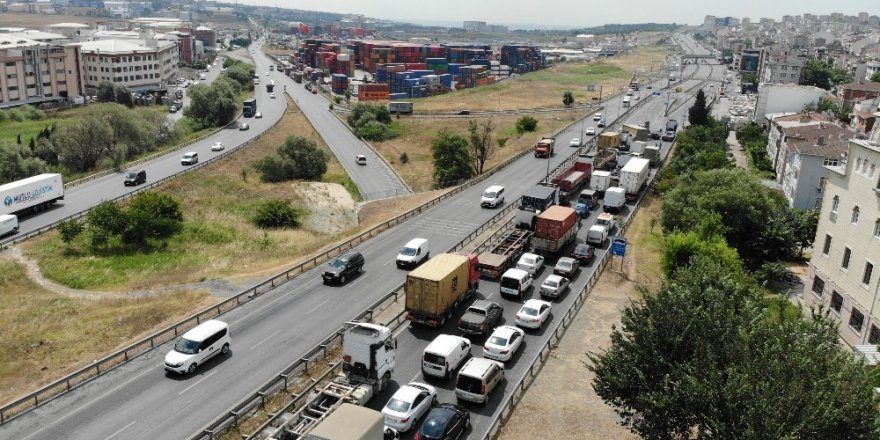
(492, 196)
(575, 142)
(591, 131)
(531, 263)
(360, 159)
(554, 286)
(408, 405)
(503, 343)
(597, 116)
(267, 73)
(272, 95)
(533, 314)
(218, 146)
(258, 115)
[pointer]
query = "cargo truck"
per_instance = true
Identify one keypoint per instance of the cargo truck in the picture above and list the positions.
(615, 198)
(368, 353)
(436, 288)
(633, 176)
(570, 180)
(554, 230)
(544, 147)
(249, 108)
(270, 87)
(636, 132)
(297, 77)
(606, 151)
(671, 128)
(400, 108)
(503, 254)
(33, 194)
(533, 202)
(597, 235)
(652, 153)
(600, 181)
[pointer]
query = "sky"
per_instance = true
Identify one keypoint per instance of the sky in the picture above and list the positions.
(573, 13)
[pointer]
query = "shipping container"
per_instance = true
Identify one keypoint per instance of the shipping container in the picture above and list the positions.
(434, 289)
(554, 222)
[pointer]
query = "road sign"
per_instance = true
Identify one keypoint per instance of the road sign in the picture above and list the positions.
(618, 246)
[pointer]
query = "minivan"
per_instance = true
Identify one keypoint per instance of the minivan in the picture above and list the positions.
(134, 178)
(444, 354)
(492, 196)
(8, 224)
(344, 267)
(196, 346)
(414, 253)
(515, 282)
(477, 379)
(189, 158)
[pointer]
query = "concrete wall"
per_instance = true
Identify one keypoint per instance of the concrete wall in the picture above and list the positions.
(785, 99)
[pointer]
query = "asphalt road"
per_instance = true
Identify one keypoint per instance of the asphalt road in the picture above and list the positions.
(139, 401)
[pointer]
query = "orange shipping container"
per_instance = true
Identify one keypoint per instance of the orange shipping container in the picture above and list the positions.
(555, 222)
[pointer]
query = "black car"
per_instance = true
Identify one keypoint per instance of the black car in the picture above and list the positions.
(567, 267)
(344, 267)
(135, 178)
(446, 421)
(481, 317)
(584, 253)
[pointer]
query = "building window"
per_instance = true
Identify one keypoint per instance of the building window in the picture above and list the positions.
(847, 254)
(856, 320)
(877, 228)
(835, 205)
(869, 271)
(818, 285)
(836, 302)
(854, 218)
(830, 162)
(827, 246)
(874, 335)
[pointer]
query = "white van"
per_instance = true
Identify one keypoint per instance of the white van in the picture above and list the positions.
(198, 345)
(8, 224)
(515, 282)
(492, 196)
(414, 253)
(444, 354)
(477, 379)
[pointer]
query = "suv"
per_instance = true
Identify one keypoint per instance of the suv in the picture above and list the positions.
(480, 317)
(135, 178)
(344, 267)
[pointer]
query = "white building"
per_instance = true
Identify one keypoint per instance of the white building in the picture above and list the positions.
(807, 151)
(36, 71)
(785, 98)
(474, 26)
(136, 64)
(782, 69)
(842, 275)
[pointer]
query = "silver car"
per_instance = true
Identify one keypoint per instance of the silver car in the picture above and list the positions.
(554, 286)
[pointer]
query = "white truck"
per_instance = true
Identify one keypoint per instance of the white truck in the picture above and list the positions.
(633, 176)
(32, 194)
(597, 235)
(368, 352)
(615, 198)
(600, 181)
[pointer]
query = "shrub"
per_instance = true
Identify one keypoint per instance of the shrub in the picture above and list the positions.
(526, 124)
(276, 214)
(69, 230)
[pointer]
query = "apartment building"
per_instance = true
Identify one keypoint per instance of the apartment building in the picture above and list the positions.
(782, 69)
(36, 71)
(139, 65)
(808, 150)
(842, 275)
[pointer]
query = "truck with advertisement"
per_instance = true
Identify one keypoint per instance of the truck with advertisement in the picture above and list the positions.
(249, 108)
(503, 254)
(633, 176)
(368, 361)
(436, 288)
(554, 230)
(33, 194)
(544, 147)
(571, 180)
(533, 202)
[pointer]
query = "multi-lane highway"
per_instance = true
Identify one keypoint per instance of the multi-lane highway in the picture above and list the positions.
(139, 401)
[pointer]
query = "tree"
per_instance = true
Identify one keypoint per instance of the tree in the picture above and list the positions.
(81, 145)
(567, 99)
(152, 215)
(106, 92)
(123, 96)
(820, 74)
(371, 121)
(452, 160)
(699, 113)
(482, 148)
(276, 214)
(749, 78)
(213, 105)
(297, 158)
(750, 132)
(526, 124)
(875, 77)
(18, 162)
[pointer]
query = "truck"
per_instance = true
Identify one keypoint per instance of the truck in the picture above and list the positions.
(270, 87)
(436, 288)
(615, 198)
(368, 354)
(544, 147)
(249, 108)
(554, 230)
(626, 101)
(636, 132)
(533, 202)
(400, 108)
(297, 76)
(607, 220)
(606, 151)
(633, 176)
(33, 194)
(671, 128)
(652, 153)
(570, 180)
(202, 76)
(503, 254)
(600, 181)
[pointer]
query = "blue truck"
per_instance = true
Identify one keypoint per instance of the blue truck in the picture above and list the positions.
(250, 107)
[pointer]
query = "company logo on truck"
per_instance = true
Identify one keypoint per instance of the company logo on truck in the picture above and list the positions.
(27, 196)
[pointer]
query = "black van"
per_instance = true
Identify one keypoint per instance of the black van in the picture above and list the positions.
(134, 178)
(344, 267)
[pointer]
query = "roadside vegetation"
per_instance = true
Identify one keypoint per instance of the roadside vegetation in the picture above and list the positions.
(753, 140)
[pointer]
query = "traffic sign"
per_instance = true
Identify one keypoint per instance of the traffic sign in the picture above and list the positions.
(618, 246)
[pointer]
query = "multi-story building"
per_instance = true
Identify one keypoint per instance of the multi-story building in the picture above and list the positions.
(776, 143)
(474, 26)
(35, 72)
(207, 36)
(782, 68)
(807, 151)
(855, 92)
(137, 65)
(871, 67)
(842, 275)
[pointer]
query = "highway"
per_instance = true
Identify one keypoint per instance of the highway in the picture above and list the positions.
(139, 401)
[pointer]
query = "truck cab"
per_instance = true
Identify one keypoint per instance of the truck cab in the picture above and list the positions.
(544, 147)
(607, 220)
(368, 353)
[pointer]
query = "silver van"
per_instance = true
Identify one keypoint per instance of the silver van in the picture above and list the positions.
(477, 379)
(8, 224)
(444, 354)
(196, 346)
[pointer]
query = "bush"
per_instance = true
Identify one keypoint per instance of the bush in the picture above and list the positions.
(276, 214)
(69, 230)
(404, 158)
(297, 158)
(526, 124)
(371, 122)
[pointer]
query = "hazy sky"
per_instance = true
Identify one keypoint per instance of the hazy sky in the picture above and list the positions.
(575, 13)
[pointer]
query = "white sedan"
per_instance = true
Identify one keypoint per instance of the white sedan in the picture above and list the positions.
(591, 131)
(533, 314)
(503, 343)
(218, 146)
(258, 115)
(272, 95)
(531, 263)
(575, 142)
(408, 405)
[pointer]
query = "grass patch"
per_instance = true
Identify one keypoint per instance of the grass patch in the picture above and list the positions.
(342, 178)
(647, 242)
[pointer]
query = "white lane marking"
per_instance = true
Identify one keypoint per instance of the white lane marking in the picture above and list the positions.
(319, 305)
(355, 283)
(123, 429)
(101, 397)
(265, 339)
(388, 262)
(305, 284)
(197, 382)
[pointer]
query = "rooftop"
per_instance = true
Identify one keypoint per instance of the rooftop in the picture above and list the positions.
(110, 47)
(867, 87)
(823, 139)
(9, 41)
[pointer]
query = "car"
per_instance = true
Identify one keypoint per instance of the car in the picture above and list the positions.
(244, 126)
(533, 314)
(601, 124)
(567, 267)
(409, 404)
(591, 131)
(464, 112)
(267, 74)
(344, 267)
(649, 87)
(196, 346)
(446, 421)
(218, 146)
(584, 253)
(360, 159)
(492, 197)
(172, 109)
(189, 158)
(503, 343)
(480, 317)
(597, 116)
(272, 96)
(575, 142)
(554, 286)
(531, 263)
(134, 178)
(258, 115)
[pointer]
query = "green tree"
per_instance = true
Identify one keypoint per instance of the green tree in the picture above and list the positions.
(749, 78)
(482, 147)
(106, 219)
(213, 105)
(452, 160)
(152, 215)
(123, 96)
(567, 99)
(276, 214)
(371, 121)
(241, 73)
(80, 146)
(526, 124)
(821, 74)
(297, 158)
(106, 92)
(18, 162)
(69, 230)
(699, 113)
(750, 132)
(875, 77)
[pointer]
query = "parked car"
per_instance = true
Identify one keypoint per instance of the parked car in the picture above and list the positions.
(409, 404)
(134, 178)
(531, 263)
(464, 112)
(344, 267)
(258, 115)
(591, 131)
(480, 317)
(244, 126)
(446, 421)
(567, 267)
(218, 146)
(533, 314)
(503, 343)
(360, 159)
(189, 158)
(584, 253)
(554, 286)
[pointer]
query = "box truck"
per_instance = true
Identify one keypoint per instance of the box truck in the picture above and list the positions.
(32, 194)
(436, 288)
(555, 228)
(615, 198)
(533, 202)
(633, 176)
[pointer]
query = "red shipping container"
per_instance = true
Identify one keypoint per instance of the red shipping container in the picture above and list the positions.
(554, 222)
